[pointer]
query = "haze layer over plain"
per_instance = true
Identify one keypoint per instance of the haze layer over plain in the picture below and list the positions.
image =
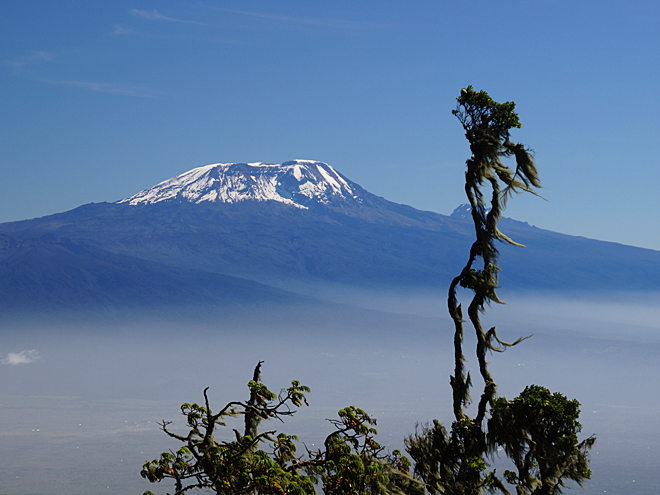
(81, 418)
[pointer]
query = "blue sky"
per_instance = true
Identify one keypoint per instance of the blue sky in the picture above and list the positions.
(101, 100)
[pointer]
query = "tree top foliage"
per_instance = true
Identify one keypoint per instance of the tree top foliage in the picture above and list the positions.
(487, 125)
(478, 112)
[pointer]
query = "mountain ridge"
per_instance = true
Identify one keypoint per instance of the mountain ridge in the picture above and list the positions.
(372, 243)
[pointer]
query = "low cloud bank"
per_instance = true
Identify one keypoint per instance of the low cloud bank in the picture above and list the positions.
(23, 357)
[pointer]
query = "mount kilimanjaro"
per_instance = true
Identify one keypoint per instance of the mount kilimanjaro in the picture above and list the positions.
(250, 231)
(299, 183)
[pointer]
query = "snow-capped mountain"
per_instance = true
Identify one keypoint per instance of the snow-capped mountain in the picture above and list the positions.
(298, 183)
(298, 224)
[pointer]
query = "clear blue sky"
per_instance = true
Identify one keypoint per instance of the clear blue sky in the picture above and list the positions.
(100, 100)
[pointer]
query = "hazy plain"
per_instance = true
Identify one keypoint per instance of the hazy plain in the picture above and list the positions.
(78, 414)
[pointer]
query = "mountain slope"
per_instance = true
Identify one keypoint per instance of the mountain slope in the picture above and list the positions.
(299, 223)
(51, 273)
(263, 242)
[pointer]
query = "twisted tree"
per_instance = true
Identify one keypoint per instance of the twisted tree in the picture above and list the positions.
(455, 462)
(352, 462)
(487, 125)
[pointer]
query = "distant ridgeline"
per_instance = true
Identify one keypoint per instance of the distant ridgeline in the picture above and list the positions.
(225, 232)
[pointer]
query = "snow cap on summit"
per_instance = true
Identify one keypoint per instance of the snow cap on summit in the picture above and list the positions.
(297, 183)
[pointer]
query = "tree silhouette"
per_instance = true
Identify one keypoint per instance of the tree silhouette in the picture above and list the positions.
(538, 432)
(487, 126)
(352, 462)
(455, 462)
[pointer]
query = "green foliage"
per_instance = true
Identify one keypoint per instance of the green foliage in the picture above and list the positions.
(479, 113)
(352, 456)
(451, 464)
(538, 432)
(353, 462)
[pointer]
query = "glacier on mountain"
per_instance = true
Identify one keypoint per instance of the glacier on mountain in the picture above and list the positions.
(297, 183)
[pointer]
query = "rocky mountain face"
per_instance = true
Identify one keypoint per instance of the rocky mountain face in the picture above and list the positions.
(201, 236)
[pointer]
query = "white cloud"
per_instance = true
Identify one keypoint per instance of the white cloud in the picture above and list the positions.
(105, 87)
(31, 59)
(331, 23)
(23, 357)
(155, 16)
(121, 30)
(320, 22)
